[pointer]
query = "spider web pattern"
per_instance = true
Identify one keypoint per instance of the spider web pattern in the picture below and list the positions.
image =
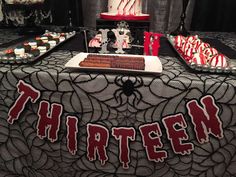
(101, 98)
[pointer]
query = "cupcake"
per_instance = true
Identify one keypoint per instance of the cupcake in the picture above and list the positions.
(42, 49)
(62, 38)
(33, 44)
(52, 43)
(27, 47)
(4, 59)
(19, 51)
(44, 39)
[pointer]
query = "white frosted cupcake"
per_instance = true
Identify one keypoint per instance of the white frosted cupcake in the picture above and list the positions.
(62, 38)
(44, 39)
(42, 49)
(33, 44)
(52, 43)
(19, 51)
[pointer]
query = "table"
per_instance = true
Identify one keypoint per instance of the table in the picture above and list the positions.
(154, 110)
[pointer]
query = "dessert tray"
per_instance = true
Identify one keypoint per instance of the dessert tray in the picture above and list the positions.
(200, 56)
(31, 50)
(119, 63)
(24, 1)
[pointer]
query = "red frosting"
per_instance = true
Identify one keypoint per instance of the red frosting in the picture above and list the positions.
(194, 50)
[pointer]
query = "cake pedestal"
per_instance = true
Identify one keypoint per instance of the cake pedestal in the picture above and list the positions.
(108, 16)
(136, 28)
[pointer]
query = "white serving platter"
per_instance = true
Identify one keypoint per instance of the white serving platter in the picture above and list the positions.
(152, 64)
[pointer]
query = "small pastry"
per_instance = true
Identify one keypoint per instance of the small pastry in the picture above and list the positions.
(33, 44)
(27, 47)
(210, 51)
(44, 39)
(199, 59)
(62, 38)
(202, 47)
(47, 45)
(196, 43)
(179, 41)
(4, 59)
(218, 60)
(190, 52)
(19, 51)
(52, 43)
(190, 39)
(42, 49)
(186, 46)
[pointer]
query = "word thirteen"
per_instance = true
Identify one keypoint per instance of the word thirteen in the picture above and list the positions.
(203, 115)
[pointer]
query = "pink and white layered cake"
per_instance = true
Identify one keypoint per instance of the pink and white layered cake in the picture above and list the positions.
(124, 10)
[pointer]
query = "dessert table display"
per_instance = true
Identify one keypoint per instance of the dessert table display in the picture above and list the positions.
(58, 121)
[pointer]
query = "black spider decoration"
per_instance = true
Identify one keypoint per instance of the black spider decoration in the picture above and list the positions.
(128, 87)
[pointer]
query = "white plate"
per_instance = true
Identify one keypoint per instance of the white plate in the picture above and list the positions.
(152, 64)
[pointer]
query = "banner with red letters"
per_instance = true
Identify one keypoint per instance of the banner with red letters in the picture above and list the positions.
(203, 113)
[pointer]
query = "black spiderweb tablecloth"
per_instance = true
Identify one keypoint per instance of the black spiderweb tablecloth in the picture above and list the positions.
(103, 99)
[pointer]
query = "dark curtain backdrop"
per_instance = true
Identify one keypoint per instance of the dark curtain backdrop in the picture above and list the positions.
(214, 15)
(60, 12)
